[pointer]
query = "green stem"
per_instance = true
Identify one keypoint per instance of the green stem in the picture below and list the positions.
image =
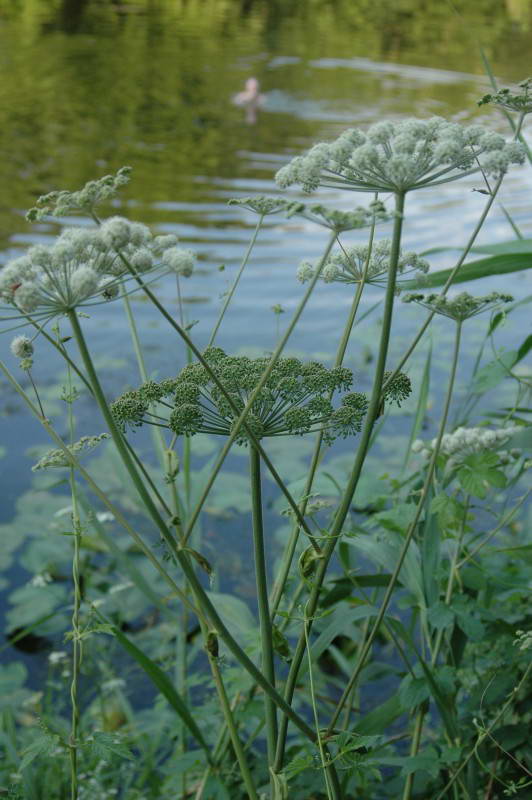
(485, 734)
(408, 537)
(315, 709)
(236, 280)
(218, 682)
(202, 598)
(76, 638)
(453, 274)
(265, 624)
(418, 729)
(345, 504)
(233, 732)
(158, 440)
(119, 517)
(290, 548)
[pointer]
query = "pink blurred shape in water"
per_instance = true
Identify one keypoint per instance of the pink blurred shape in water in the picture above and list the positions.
(251, 99)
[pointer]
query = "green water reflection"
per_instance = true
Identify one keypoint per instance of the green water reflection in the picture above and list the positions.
(86, 86)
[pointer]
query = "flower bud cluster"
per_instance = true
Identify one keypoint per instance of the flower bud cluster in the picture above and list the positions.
(401, 157)
(460, 307)
(57, 204)
(355, 264)
(295, 399)
(465, 441)
(264, 206)
(85, 263)
(520, 100)
(58, 458)
(331, 218)
(341, 221)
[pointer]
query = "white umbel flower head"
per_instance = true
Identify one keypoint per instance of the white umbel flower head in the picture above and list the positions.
(400, 157)
(359, 263)
(465, 441)
(84, 266)
(22, 347)
(178, 260)
(305, 272)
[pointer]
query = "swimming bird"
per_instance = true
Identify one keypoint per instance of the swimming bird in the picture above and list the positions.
(251, 99)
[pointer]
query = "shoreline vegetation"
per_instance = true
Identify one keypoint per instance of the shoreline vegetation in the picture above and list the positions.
(385, 650)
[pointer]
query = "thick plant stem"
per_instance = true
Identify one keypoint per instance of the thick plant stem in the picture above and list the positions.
(236, 280)
(408, 538)
(363, 447)
(233, 733)
(467, 249)
(76, 637)
(76, 646)
(218, 681)
(206, 605)
(266, 635)
(288, 554)
(156, 432)
(290, 549)
(119, 517)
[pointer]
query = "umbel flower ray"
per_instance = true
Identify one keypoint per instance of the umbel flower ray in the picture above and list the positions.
(401, 157)
(331, 218)
(296, 399)
(460, 307)
(361, 264)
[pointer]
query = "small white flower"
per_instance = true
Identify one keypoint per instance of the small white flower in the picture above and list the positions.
(116, 232)
(305, 272)
(57, 656)
(142, 260)
(179, 261)
(83, 283)
(22, 347)
(27, 297)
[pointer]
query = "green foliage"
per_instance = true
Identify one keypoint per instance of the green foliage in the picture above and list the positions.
(411, 650)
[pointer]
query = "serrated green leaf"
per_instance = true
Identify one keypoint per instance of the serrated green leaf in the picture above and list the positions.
(472, 482)
(412, 692)
(440, 616)
(427, 761)
(103, 744)
(43, 745)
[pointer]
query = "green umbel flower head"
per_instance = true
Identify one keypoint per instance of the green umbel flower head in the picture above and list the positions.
(520, 100)
(461, 307)
(295, 399)
(59, 203)
(401, 157)
(354, 264)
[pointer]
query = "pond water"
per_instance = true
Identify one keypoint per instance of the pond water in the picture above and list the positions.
(86, 87)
